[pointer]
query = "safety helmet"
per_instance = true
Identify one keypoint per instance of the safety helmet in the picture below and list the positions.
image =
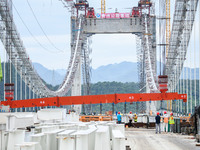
(118, 112)
(171, 114)
(158, 113)
(130, 112)
(165, 112)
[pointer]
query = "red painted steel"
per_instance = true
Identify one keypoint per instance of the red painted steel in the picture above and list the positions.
(95, 99)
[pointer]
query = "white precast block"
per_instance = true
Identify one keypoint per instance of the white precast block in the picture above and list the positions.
(66, 141)
(15, 137)
(51, 140)
(111, 128)
(85, 139)
(3, 117)
(36, 120)
(51, 114)
(102, 138)
(41, 139)
(82, 126)
(2, 136)
(72, 117)
(46, 128)
(118, 140)
(26, 146)
(19, 120)
(69, 127)
(119, 127)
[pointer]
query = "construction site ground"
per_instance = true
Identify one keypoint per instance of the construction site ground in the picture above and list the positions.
(146, 139)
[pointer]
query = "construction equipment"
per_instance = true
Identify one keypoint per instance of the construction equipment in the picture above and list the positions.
(94, 99)
(90, 13)
(103, 6)
(135, 12)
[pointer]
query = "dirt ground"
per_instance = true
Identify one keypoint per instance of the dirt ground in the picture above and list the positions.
(146, 139)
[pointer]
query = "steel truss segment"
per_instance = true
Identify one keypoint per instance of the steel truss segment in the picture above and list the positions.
(86, 64)
(183, 21)
(95, 99)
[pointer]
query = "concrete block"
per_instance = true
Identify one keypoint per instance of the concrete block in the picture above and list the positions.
(118, 140)
(85, 139)
(19, 120)
(51, 141)
(102, 138)
(26, 146)
(66, 141)
(51, 114)
(15, 137)
(41, 139)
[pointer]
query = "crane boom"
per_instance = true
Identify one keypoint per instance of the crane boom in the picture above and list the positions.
(94, 99)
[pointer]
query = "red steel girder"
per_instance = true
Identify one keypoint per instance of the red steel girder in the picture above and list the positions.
(95, 99)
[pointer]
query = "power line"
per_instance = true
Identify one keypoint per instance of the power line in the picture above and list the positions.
(30, 31)
(42, 28)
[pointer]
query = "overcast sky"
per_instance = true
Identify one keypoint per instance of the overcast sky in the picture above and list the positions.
(55, 20)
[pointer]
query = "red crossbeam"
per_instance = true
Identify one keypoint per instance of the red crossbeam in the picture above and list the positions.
(95, 99)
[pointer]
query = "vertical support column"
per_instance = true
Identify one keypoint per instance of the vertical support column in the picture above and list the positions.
(125, 107)
(101, 108)
(113, 108)
(76, 87)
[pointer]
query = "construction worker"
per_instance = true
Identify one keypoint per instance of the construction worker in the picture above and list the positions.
(135, 117)
(158, 122)
(171, 122)
(165, 122)
(119, 118)
(130, 117)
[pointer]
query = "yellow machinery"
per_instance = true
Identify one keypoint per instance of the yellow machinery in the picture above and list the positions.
(103, 6)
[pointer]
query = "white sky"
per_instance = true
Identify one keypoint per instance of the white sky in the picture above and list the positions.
(55, 20)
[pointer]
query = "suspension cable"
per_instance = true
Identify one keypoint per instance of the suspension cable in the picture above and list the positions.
(42, 28)
(195, 99)
(36, 40)
(199, 54)
(190, 60)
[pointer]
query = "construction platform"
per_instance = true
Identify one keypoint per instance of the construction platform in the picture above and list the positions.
(53, 129)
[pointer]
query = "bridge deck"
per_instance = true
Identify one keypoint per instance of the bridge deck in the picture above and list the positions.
(112, 25)
(140, 139)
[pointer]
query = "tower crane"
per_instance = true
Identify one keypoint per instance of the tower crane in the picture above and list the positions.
(103, 6)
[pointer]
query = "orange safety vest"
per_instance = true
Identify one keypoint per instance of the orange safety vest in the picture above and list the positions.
(165, 119)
